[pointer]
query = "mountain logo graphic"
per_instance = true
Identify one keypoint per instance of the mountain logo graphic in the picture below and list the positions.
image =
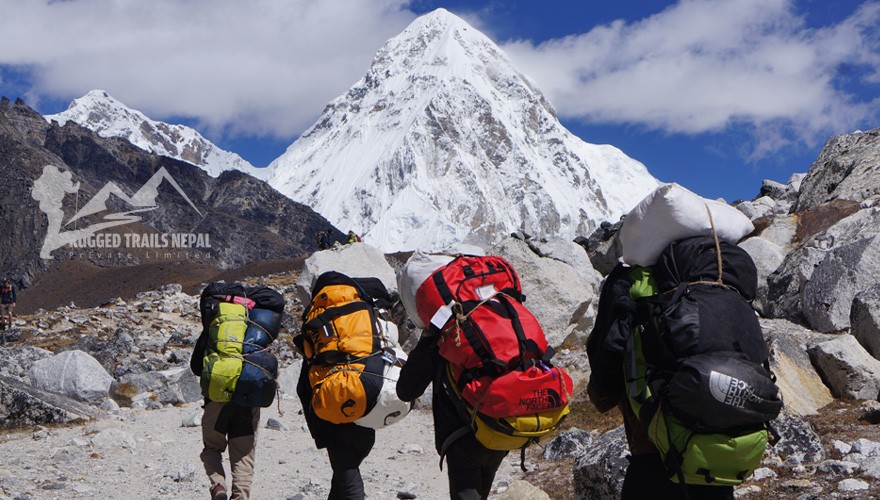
(51, 187)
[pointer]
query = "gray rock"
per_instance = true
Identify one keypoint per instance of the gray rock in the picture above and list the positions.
(774, 190)
(803, 391)
(22, 405)
(846, 169)
(74, 374)
(603, 247)
(560, 295)
(849, 268)
(767, 256)
(798, 442)
(570, 444)
(17, 362)
(521, 489)
(847, 368)
(113, 438)
(174, 386)
(841, 447)
(866, 447)
(356, 260)
(288, 377)
(193, 419)
(761, 207)
(838, 467)
(275, 424)
(764, 473)
(864, 318)
(817, 281)
(870, 466)
(599, 472)
(852, 485)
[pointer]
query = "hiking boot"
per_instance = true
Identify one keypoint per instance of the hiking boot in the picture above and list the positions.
(218, 492)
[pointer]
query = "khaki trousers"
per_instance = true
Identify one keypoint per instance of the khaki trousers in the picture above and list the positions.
(228, 424)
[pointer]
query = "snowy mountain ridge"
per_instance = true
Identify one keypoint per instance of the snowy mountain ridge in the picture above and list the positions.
(100, 112)
(444, 141)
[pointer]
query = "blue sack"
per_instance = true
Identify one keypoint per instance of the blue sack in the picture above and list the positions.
(263, 328)
(256, 384)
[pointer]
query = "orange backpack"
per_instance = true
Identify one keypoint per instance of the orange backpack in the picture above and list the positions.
(340, 340)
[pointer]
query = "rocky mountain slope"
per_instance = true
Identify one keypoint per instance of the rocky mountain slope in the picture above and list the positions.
(100, 112)
(444, 140)
(235, 220)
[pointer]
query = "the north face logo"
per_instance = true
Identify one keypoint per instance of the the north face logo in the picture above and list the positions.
(541, 400)
(730, 390)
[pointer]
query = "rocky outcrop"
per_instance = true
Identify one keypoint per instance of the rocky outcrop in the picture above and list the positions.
(598, 473)
(23, 405)
(846, 169)
(864, 318)
(803, 391)
(817, 281)
(559, 293)
(847, 368)
(357, 260)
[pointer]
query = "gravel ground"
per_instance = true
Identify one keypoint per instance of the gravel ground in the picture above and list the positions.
(150, 454)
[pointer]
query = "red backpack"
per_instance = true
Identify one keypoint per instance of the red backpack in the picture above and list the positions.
(499, 360)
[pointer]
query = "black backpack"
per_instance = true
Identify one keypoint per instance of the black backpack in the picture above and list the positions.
(697, 362)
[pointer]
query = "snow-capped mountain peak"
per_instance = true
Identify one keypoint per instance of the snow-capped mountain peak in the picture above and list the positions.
(100, 112)
(443, 141)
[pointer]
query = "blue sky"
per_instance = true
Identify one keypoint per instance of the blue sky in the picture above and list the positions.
(713, 94)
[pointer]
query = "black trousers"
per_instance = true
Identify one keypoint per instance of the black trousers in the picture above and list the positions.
(351, 445)
(471, 468)
(646, 478)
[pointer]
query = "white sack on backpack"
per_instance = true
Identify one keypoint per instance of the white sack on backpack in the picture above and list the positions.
(417, 269)
(671, 213)
(389, 408)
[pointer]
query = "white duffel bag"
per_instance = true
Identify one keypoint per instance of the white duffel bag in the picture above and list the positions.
(389, 408)
(671, 213)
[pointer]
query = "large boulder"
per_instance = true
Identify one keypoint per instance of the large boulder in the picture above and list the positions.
(22, 405)
(173, 386)
(798, 442)
(74, 374)
(599, 472)
(847, 368)
(817, 282)
(356, 260)
(767, 256)
(603, 246)
(803, 390)
(864, 319)
(846, 169)
(560, 294)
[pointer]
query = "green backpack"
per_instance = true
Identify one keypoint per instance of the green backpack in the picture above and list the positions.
(705, 401)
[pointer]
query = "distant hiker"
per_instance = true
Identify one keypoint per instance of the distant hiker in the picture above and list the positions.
(324, 240)
(7, 303)
(353, 237)
(237, 375)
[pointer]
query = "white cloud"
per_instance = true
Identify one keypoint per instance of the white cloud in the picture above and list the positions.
(268, 67)
(703, 65)
(255, 67)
